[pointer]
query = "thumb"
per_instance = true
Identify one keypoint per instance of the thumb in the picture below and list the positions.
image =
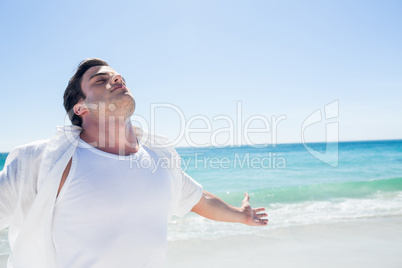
(246, 197)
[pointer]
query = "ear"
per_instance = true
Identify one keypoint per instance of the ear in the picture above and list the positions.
(80, 108)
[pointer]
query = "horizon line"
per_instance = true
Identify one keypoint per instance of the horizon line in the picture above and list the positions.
(265, 144)
(283, 143)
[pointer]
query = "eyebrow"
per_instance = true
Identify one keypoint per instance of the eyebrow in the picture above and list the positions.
(97, 75)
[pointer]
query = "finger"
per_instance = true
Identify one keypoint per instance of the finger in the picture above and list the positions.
(261, 215)
(246, 197)
(262, 222)
(259, 209)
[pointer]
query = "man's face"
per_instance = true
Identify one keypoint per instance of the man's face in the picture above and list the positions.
(104, 87)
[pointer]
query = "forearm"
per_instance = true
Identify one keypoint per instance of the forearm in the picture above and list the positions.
(214, 208)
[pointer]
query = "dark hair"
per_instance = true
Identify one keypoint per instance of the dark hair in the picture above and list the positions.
(73, 93)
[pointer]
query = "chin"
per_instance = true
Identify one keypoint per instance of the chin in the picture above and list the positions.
(125, 105)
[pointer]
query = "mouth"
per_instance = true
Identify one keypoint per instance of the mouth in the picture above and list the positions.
(118, 87)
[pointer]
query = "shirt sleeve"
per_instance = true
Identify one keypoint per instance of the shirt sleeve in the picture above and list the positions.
(8, 189)
(191, 192)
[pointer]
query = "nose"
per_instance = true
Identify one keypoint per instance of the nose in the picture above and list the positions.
(117, 79)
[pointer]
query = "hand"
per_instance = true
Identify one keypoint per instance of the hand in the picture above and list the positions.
(251, 215)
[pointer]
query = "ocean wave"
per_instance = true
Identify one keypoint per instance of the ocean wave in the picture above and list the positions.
(320, 192)
(281, 215)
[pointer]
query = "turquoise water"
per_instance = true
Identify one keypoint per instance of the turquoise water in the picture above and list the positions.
(367, 182)
(299, 176)
(3, 157)
(295, 187)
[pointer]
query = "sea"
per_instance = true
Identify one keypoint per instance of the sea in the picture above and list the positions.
(297, 184)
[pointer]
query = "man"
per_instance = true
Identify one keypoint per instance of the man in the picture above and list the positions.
(78, 200)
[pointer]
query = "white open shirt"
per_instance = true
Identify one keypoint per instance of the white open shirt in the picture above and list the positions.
(30, 180)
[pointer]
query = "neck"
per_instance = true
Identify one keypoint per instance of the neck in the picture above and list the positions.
(111, 136)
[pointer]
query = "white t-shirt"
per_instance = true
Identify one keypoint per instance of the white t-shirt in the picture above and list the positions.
(113, 210)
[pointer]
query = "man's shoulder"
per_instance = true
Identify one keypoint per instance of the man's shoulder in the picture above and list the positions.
(161, 145)
(31, 148)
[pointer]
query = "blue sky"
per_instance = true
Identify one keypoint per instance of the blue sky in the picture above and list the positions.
(275, 57)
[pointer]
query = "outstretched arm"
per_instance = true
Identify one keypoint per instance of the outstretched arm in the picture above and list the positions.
(212, 207)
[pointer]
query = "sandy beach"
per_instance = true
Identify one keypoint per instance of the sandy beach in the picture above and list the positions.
(360, 243)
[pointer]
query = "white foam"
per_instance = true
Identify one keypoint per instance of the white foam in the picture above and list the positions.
(284, 215)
